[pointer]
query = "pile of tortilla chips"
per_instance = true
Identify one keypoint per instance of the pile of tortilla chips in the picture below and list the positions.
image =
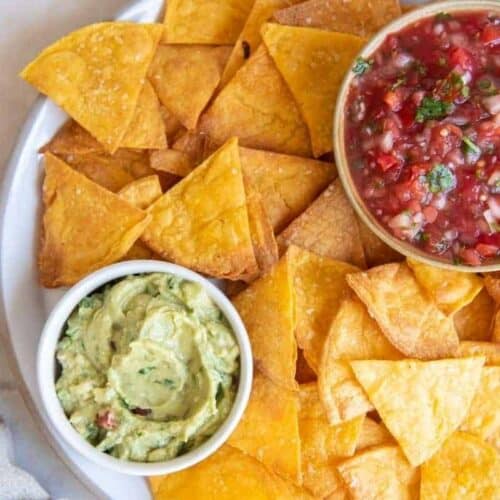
(206, 141)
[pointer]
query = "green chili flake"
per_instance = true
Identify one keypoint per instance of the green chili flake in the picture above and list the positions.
(361, 66)
(440, 179)
(431, 108)
(469, 146)
(146, 370)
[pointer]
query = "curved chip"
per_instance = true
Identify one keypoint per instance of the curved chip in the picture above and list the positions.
(490, 350)
(376, 251)
(474, 321)
(142, 192)
(373, 434)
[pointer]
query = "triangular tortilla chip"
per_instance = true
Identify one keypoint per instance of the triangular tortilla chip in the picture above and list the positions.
(380, 473)
(376, 251)
(96, 75)
(267, 308)
(408, 318)
(464, 468)
(142, 192)
(304, 373)
(185, 78)
(287, 184)
(313, 230)
(202, 222)
(209, 22)
(450, 290)
(85, 227)
(269, 429)
(171, 161)
(313, 63)
(72, 139)
(320, 287)
(475, 320)
(373, 434)
(352, 335)
(421, 402)
(495, 334)
(489, 350)
(492, 284)
(198, 146)
(147, 129)
(362, 17)
(173, 127)
(263, 116)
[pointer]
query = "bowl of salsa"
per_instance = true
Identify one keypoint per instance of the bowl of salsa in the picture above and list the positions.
(417, 134)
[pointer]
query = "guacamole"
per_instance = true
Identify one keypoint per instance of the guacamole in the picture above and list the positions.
(149, 367)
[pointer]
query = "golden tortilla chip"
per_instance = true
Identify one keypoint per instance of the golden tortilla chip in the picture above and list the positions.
(421, 402)
(287, 184)
(312, 230)
(197, 145)
(72, 139)
(140, 251)
(147, 129)
(450, 290)
(313, 63)
(209, 22)
(267, 310)
(154, 482)
(85, 227)
(263, 116)
(464, 468)
(269, 429)
(142, 192)
(171, 161)
(173, 127)
(320, 287)
(376, 251)
(380, 473)
(202, 222)
(495, 335)
(303, 372)
(492, 284)
(489, 350)
(373, 434)
(362, 17)
(474, 321)
(185, 78)
(96, 75)
(408, 318)
(352, 335)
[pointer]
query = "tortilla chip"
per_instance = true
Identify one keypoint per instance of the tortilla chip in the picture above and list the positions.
(269, 429)
(96, 75)
(142, 192)
(474, 321)
(320, 287)
(154, 483)
(226, 475)
(373, 434)
(267, 310)
(185, 78)
(362, 17)
(72, 139)
(313, 229)
(352, 335)
(323, 445)
(85, 227)
(140, 251)
(380, 473)
(492, 284)
(489, 350)
(483, 418)
(173, 127)
(376, 251)
(313, 63)
(263, 116)
(287, 184)
(198, 146)
(303, 372)
(202, 222)
(495, 335)
(171, 161)
(147, 129)
(408, 318)
(450, 290)
(421, 402)
(464, 468)
(209, 22)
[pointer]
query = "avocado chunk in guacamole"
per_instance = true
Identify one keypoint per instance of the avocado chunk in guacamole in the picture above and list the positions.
(149, 367)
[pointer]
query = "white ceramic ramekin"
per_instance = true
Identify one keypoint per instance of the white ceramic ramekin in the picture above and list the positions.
(46, 368)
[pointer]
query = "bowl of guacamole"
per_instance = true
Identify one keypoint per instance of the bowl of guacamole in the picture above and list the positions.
(145, 367)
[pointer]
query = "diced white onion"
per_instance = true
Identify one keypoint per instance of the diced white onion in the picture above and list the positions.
(494, 207)
(494, 178)
(402, 59)
(492, 223)
(492, 104)
(386, 142)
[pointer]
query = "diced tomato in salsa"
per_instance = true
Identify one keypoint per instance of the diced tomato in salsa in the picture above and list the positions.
(425, 153)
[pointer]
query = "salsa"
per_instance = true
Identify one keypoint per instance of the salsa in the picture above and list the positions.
(423, 135)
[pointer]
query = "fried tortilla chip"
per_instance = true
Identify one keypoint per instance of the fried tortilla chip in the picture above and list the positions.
(464, 468)
(489, 350)
(202, 222)
(320, 287)
(209, 22)
(263, 116)
(373, 434)
(408, 318)
(185, 78)
(173, 127)
(197, 145)
(85, 227)
(421, 402)
(450, 290)
(474, 321)
(323, 445)
(353, 335)
(287, 184)
(96, 75)
(140, 251)
(267, 310)
(376, 251)
(313, 229)
(313, 63)
(495, 335)
(492, 284)
(171, 161)
(72, 139)
(142, 192)
(269, 429)
(304, 373)
(362, 17)
(380, 473)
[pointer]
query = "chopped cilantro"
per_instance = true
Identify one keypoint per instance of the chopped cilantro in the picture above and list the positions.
(146, 370)
(469, 146)
(361, 66)
(443, 16)
(440, 179)
(431, 108)
(168, 382)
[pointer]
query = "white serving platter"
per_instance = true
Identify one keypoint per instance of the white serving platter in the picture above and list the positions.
(25, 304)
